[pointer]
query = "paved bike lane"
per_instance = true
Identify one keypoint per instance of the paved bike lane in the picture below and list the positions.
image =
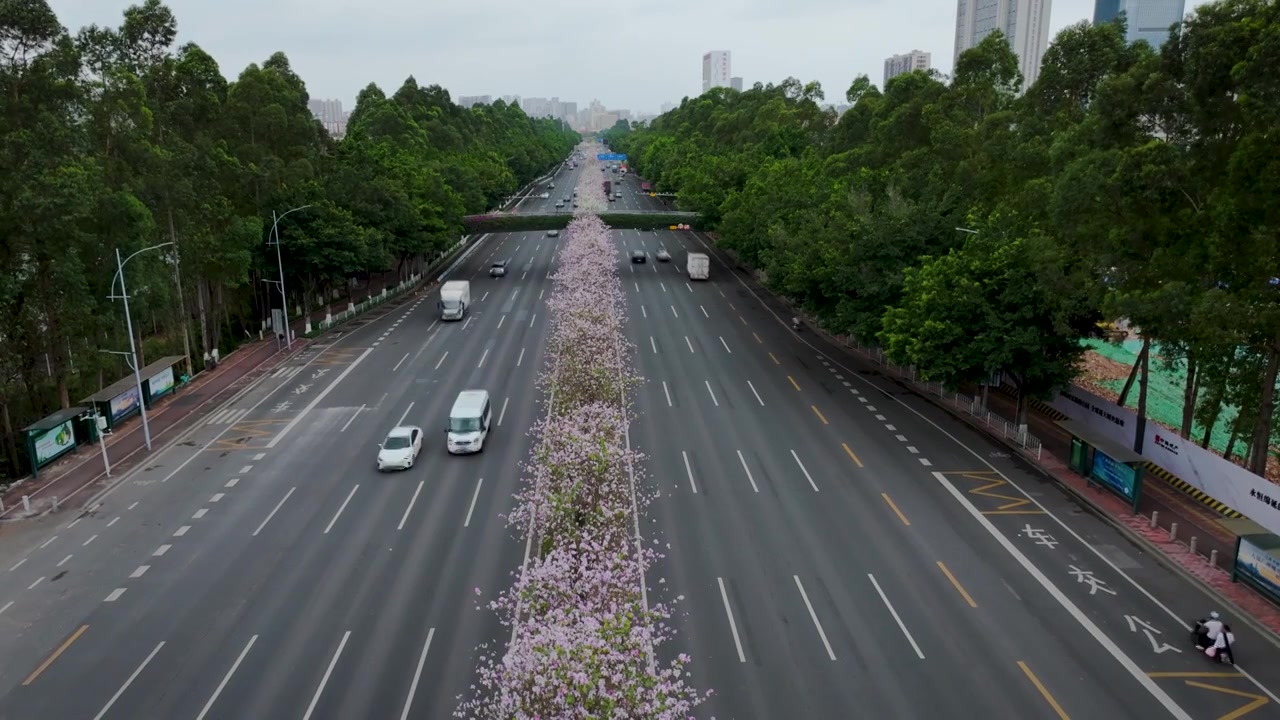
(1133, 629)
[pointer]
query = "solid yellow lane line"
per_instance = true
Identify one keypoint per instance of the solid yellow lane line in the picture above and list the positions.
(852, 457)
(816, 411)
(956, 583)
(1258, 700)
(895, 509)
(774, 359)
(56, 654)
(794, 384)
(1043, 691)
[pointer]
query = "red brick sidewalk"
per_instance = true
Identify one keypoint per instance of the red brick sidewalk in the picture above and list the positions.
(69, 478)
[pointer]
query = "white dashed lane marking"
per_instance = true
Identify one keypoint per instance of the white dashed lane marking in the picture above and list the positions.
(872, 408)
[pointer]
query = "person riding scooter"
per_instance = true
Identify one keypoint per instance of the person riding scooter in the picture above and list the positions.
(795, 323)
(1214, 638)
(1207, 631)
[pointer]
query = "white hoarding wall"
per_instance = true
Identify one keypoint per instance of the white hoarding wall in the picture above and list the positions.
(1255, 497)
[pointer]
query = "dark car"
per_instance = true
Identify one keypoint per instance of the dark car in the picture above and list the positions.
(637, 256)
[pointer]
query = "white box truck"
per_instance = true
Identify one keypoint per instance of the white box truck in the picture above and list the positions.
(699, 266)
(455, 296)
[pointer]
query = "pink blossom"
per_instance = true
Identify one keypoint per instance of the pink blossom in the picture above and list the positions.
(584, 642)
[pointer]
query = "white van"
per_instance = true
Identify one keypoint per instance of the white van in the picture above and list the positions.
(469, 422)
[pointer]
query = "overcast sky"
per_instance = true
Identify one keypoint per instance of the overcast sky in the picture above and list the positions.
(628, 54)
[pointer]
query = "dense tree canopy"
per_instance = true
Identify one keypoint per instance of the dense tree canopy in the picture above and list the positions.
(114, 139)
(968, 229)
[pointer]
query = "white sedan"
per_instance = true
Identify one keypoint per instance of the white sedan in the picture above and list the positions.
(400, 448)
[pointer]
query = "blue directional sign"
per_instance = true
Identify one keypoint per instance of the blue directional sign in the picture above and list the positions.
(612, 157)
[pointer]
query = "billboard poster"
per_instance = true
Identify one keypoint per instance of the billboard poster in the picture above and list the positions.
(161, 383)
(1259, 566)
(54, 442)
(124, 403)
(1113, 474)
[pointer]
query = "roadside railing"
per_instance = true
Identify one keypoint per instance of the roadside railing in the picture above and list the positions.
(411, 283)
(962, 404)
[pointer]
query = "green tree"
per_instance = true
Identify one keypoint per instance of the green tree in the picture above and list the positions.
(1009, 300)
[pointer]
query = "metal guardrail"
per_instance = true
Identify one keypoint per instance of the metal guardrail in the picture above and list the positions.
(1016, 434)
(354, 309)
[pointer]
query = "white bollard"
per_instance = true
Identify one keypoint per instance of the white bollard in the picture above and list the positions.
(26, 503)
(1173, 532)
(1213, 557)
(1155, 518)
(55, 503)
(1193, 544)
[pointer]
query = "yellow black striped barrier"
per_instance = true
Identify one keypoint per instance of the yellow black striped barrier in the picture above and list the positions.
(1191, 491)
(1174, 481)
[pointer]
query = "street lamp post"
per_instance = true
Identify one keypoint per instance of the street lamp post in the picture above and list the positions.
(102, 439)
(284, 300)
(275, 284)
(128, 321)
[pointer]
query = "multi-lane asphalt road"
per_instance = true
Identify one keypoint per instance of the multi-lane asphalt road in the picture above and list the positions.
(843, 547)
(632, 200)
(839, 548)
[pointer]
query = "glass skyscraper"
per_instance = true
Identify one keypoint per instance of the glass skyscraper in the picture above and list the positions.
(1147, 19)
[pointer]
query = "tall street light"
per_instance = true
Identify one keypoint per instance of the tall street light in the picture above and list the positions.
(284, 301)
(128, 321)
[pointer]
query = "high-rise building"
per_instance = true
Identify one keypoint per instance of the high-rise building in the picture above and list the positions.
(667, 107)
(467, 101)
(902, 64)
(736, 83)
(330, 114)
(1146, 19)
(715, 69)
(1025, 23)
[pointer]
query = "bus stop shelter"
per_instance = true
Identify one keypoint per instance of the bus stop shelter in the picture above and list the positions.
(122, 399)
(1105, 462)
(1257, 558)
(54, 436)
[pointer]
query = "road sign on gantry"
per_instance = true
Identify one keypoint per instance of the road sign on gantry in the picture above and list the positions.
(612, 157)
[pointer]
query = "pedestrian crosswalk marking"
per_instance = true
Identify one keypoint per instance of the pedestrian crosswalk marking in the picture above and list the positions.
(227, 416)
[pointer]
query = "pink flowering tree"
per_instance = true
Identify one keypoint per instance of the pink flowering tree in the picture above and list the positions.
(584, 635)
(591, 199)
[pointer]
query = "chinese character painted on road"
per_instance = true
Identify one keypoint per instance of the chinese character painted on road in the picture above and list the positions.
(301, 389)
(1086, 576)
(1039, 536)
(281, 406)
(1157, 646)
(319, 373)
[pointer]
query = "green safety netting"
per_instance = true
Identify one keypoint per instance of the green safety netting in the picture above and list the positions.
(1164, 391)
